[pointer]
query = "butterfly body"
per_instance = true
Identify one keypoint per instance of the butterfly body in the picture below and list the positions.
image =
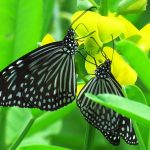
(110, 123)
(43, 78)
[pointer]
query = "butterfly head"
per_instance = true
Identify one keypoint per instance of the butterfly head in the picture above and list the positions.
(103, 70)
(70, 44)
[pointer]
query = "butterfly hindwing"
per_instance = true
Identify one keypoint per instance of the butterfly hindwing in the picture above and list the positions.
(127, 131)
(112, 136)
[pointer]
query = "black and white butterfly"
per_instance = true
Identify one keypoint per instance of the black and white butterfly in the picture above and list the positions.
(44, 78)
(110, 123)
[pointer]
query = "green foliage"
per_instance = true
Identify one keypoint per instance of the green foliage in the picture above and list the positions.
(43, 147)
(130, 107)
(137, 59)
(24, 24)
(124, 106)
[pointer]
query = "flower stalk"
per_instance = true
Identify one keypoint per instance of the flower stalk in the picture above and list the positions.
(89, 138)
(23, 134)
(3, 116)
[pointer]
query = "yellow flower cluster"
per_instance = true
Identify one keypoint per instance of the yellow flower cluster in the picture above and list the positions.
(105, 28)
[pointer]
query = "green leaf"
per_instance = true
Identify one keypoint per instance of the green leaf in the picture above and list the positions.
(83, 5)
(22, 135)
(17, 118)
(42, 147)
(130, 6)
(133, 92)
(7, 17)
(131, 109)
(29, 23)
(47, 15)
(3, 116)
(137, 59)
(20, 28)
(49, 118)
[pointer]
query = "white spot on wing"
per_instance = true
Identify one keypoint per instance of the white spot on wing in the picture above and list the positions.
(19, 61)
(10, 67)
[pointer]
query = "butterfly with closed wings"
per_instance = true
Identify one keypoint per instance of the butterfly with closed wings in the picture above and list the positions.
(111, 124)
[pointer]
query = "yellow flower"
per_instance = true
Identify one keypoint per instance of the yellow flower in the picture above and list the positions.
(144, 42)
(123, 73)
(105, 27)
(47, 39)
(92, 21)
(131, 32)
(129, 29)
(79, 88)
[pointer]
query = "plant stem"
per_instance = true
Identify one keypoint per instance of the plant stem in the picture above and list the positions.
(89, 138)
(149, 140)
(104, 7)
(23, 134)
(3, 115)
(138, 133)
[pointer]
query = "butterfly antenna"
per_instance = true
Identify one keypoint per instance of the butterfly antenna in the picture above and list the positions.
(102, 52)
(93, 58)
(89, 9)
(85, 58)
(79, 25)
(86, 35)
(113, 47)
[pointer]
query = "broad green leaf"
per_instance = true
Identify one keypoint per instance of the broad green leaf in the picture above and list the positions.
(40, 137)
(7, 17)
(42, 147)
(142, 132)
(3, 116)
(47, 15)
(17, 118)
(137, 59)
(83, 5)
(133, 92)
(50, 118)
(134, 110)
(20, 28)
(130, 6)
(28, 26)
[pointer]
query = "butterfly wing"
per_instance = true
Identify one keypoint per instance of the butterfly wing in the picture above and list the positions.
(44, 78)
(127, 131)
(112, 137)
(125, 126)
(102, 118)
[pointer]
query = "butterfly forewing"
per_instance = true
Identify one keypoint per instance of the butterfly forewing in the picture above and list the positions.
(44, 78)
(52, 86)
